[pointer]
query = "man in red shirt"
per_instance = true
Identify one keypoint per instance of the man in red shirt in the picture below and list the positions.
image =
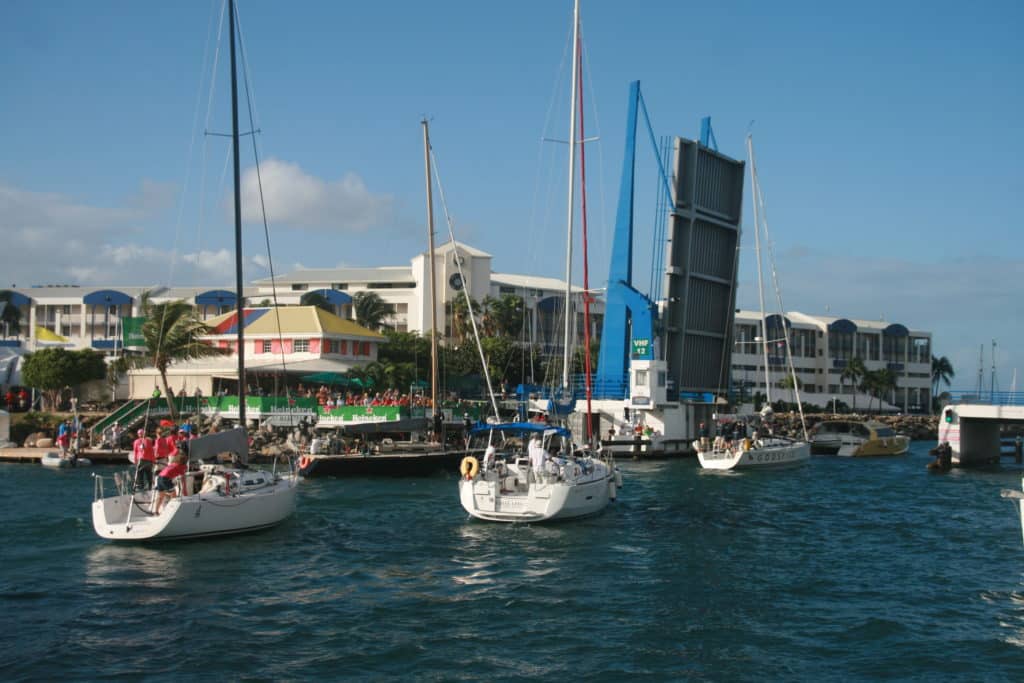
(9, 400)
(166, 447)
(144, 457)
(23, 399)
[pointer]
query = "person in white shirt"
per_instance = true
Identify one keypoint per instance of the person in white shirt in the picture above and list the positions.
(489, 454)
(537, 454)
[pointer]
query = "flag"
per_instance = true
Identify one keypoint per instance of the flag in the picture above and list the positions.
(131, 331)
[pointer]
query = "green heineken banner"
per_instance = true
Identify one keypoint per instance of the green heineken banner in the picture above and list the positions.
(131, 331)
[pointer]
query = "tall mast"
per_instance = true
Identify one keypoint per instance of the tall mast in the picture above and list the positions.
(239, 304)
(433, 280)
(754, 192)
(588, 384)
(572, 188)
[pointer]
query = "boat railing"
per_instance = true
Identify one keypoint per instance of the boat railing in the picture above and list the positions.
(123, 484)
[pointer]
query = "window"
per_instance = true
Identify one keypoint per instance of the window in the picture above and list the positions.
(640, 378)
(267, 346)
(301, 346)
(505, 289)
(340, 285)
(343, 347)
(299, 287)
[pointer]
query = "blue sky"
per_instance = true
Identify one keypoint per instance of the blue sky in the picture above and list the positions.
(888, 137)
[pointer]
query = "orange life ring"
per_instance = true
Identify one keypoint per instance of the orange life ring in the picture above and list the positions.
(469, 467)
(304, 462)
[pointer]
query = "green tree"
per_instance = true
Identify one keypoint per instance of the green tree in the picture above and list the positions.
(370, 309)
(10, 320)
(171, 333)
(854, 372)
(508, 314)
(316, 299)
(942, 372)
(51, 370)
(460, 325)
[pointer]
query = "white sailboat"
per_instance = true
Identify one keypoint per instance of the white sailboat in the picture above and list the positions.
(214, 499)
(533, 472)
(762, 449)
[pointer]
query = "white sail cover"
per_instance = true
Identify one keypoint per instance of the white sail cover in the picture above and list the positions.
(210, 446)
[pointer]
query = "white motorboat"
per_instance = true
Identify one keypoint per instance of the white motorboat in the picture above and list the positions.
(210, 501)
(857, 438)
(554, 482)
(56, 460)
(214, 499)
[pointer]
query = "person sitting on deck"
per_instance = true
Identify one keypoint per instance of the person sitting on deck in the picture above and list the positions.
(165, 480)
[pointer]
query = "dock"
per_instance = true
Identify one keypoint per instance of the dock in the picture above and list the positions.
(32, 456)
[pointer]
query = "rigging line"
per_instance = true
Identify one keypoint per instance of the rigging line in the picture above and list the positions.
(605, 237)
(759, 197)
(263, 212)
(206, 126)
(465, 287)
(541, 146)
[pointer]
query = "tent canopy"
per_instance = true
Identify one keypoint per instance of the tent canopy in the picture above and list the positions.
(331, 378)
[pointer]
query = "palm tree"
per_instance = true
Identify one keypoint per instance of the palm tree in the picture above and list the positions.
(370, 309)
(508, 312)
(854, 371)
(171, 333)
(942, 371)
(316, 299)
(461, 328)
(885, 384)
(11, 317)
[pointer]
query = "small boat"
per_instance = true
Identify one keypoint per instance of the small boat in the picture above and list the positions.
(214, 499)
(533, 473)
(55, 460)
(1019, 497)
(760, 453)
(856, 438)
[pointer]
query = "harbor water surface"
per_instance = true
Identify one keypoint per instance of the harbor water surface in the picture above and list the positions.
(843, 569)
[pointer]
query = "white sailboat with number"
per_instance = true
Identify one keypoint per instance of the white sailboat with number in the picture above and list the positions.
(212, 499)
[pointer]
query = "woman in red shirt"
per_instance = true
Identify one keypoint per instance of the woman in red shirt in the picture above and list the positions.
(165, 480)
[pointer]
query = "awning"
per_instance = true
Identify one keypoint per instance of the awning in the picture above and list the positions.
(46, 336)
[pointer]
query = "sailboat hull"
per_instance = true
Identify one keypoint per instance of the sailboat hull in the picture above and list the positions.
(128, 518)
(483, 498)
(762, 456)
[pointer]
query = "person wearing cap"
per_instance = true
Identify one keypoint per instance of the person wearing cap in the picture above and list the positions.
(144, 458)
(166, 447)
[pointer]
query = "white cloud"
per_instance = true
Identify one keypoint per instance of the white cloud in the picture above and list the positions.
(295, 198)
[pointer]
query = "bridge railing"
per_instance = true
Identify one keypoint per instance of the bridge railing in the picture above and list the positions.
(990, 398)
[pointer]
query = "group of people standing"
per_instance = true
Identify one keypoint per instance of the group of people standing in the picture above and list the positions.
(168, 451)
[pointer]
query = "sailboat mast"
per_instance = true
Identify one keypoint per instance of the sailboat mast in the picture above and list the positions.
(433, 278)
(588, 384)
(239, 303)
(754, 191)
(572, 188)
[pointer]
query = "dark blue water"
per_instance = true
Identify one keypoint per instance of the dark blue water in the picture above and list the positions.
(841, 570)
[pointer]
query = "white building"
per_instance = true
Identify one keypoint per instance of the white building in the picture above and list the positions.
(822, 347)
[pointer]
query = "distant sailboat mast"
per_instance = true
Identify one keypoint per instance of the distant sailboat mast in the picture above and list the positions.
(239, 302)
(760, 279)
(587, 371)
(572, 189)
(433, 277)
